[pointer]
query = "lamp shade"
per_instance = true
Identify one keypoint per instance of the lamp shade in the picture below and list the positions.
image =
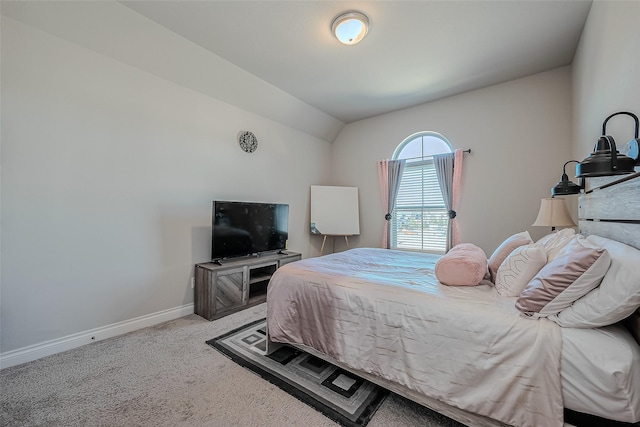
(553, 213)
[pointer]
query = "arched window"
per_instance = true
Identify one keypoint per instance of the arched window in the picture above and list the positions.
(419, 217)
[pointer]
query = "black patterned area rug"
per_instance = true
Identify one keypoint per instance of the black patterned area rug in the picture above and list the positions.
(341, 396)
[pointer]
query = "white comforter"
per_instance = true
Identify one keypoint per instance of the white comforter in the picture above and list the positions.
(383, 312)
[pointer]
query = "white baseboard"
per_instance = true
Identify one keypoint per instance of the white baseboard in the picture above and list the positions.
(47, 348)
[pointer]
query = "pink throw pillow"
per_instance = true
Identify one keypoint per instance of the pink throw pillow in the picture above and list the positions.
(464, 265)
(502, 252)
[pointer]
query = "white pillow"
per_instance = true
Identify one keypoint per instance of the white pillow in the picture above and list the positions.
(555, 241)
(518, 268)
(617, 297)
(576, 269)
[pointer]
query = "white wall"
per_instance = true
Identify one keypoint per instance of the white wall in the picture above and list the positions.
(519, 134)
(116, 31)
(108, 173)
(605, 74)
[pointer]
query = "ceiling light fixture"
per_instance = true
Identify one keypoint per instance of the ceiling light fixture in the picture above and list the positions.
(350, 27)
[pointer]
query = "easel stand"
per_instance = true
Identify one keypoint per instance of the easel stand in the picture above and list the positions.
(324, 240)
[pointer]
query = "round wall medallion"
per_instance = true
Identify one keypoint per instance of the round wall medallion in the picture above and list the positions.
(248, 141)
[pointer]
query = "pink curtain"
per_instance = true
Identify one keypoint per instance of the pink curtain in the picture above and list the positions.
(457, 181)
(448, 168)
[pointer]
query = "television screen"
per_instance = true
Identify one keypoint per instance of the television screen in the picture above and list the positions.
(247, 228)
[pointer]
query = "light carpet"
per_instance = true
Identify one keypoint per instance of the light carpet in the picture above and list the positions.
(167, 375)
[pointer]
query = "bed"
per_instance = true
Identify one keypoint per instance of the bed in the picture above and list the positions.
(466, 351)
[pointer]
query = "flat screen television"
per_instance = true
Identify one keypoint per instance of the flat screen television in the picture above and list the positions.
(248, 228)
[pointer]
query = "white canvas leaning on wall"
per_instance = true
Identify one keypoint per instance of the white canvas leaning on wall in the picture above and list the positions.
(334, 211)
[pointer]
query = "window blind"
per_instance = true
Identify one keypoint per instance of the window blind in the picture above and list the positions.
(419, 217)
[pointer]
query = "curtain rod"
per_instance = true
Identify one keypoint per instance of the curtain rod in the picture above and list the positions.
(468, 150)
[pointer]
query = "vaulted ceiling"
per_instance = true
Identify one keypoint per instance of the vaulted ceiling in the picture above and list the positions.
(415, 52)
(279, 60)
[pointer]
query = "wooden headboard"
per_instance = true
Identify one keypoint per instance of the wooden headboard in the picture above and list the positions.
(610, 207)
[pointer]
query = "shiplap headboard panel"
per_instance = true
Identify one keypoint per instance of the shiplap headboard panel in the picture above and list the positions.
(611, 208)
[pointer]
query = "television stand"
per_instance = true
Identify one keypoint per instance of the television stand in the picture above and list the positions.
(222, 261)
(225, 286)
